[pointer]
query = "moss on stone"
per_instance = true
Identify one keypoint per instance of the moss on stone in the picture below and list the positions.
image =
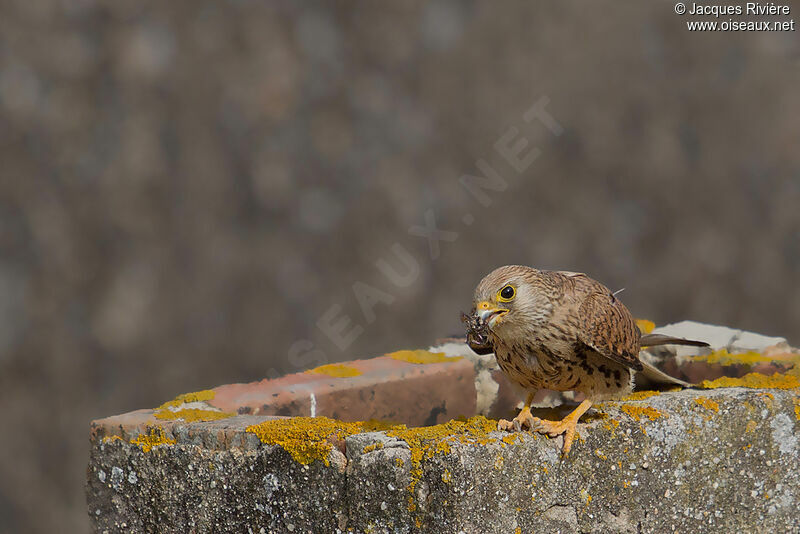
(422, 356)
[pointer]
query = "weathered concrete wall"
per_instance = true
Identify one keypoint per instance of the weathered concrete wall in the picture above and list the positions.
(687, 461)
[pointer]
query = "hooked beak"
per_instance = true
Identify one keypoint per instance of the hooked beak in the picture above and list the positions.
(488, 313)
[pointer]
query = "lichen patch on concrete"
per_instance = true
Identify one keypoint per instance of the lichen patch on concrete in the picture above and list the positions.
(422, 356)
(192, 415)
(336, 370)
(186, 398)
(641, 395)
(707, 403)
(640, 412)
(754, 380)
(309, 438)
(155, 438)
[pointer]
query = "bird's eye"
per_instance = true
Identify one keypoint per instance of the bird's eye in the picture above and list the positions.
(506, 294)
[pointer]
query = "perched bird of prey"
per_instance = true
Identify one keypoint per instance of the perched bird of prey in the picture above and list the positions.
(558, 330)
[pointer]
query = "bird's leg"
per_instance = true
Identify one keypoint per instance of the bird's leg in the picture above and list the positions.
(524, 418)
(566, 426)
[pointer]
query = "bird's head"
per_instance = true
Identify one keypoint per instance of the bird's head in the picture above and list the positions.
(513, 301)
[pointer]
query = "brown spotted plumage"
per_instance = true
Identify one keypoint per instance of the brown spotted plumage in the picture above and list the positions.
(558, 330)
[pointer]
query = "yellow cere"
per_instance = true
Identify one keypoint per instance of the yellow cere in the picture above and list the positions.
(336, 370)
(707, 403)
(638, 412)
(197, 396)
(641, 395)
(645, 326)
(754, 380)
(422, 356)
(155, 438)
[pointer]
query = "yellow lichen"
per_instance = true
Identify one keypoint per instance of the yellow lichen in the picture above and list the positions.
(446, 476)
(707, 403)
(611, 424)
(796, 402)
(375, 446)
(723, 357)
(109, 439)
(498, 462)
(638, 412)
(191, 415)
(645, 326)
(510, 439)
(399, 462)
(641, 395)
(751, 425)
(336, 370)
(422, 356)
(425, 442)
(308, 438)
(196, 396)
(155, 438)
(754, 380)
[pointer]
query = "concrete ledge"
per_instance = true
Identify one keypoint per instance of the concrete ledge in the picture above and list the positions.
(689, 461)
(228, 459)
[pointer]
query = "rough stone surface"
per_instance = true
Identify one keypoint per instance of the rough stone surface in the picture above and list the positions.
(725, 460)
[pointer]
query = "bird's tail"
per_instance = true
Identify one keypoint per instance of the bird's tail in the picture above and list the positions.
(656, 375)
(651, 340)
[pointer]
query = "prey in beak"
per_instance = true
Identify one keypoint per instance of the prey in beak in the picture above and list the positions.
(478, 324)
(488, 313)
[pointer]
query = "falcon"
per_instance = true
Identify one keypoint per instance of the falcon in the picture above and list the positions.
(562, 331)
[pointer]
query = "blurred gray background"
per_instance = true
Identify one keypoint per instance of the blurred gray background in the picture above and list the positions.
(188, 187)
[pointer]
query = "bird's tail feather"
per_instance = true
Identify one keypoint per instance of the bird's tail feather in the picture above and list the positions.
(651, 340)
(656, 375)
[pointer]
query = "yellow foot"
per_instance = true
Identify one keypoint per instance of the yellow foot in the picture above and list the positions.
(566, 426)
(524, 419)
